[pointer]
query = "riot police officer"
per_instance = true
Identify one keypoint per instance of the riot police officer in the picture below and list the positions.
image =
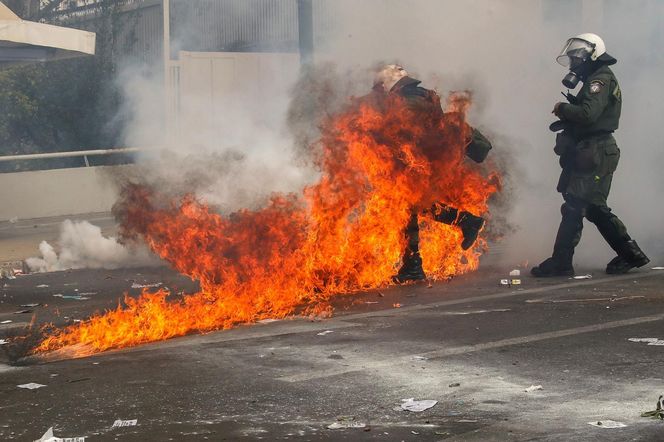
(588, 156)
(393, 80)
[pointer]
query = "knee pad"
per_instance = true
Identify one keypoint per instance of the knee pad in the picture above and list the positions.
(569, 210)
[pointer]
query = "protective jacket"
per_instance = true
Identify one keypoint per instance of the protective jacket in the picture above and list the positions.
(591, 117)
(426, 102)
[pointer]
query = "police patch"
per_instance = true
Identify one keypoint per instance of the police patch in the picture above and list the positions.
(596, 86)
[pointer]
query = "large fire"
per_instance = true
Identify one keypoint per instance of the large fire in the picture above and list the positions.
(341, 235)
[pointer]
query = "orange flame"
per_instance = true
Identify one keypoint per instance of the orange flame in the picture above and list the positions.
(343, 234)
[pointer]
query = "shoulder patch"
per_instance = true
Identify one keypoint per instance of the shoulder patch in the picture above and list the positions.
(596, 86)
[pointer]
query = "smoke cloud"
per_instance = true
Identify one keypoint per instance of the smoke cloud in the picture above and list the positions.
(82, 245)
(234, 152)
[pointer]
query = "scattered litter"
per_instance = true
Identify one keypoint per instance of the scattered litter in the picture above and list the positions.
(267, 321)
(76, 297)
(20, 312)
(420, 358)
(416, 406)
(505, 282)
(121, 423)
(454, 384)
(510, 282)
(326, 332)
(515, 272)
(515, 282)
(42, 286)
(607, 424)
(87, 293)
(3, 341)
(145, 286)
(658, 412)
(649, 341)
(467, 421)
(346, 422)
(396, 305)
(31, 305)
(48, 437)
(588, 276)
(8, 321)
(533, 388)
(414, 432)
(13, 220)
(657, 268)
(31, 386)
(371, 302)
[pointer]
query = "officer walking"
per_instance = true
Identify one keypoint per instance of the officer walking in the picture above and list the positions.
(589, 156)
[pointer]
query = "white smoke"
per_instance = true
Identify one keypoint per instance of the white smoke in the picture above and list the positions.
(82, 245)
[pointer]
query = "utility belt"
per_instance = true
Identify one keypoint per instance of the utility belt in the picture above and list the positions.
(599, 135)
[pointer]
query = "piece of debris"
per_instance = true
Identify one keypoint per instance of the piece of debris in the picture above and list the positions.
(31, 305)
(20, 312)
(371, 302)
(145, 286)
(72, 381)
(658, 412)
(335, 357)
(467, 421)
(414, 432)
(42, 286)
(533, 388)
(657, 268)
(48, 437)
(3, 341)
(607, 424)
(267, 321)
(346, 422)
(515, 272)
(411, 404)
(7, 321)
(127, 423)
(76, 297)
(396, 305)
(326, 332)
(31, 386)
(454, 384)
(648, 341)
(420, 358)
(588, 276)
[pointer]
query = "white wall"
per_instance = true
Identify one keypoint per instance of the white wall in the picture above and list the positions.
(56, 192)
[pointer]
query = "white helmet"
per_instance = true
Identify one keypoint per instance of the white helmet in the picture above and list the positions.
(389, 75)
(581, 48)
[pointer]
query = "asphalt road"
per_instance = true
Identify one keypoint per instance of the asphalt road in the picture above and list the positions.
(470, 344)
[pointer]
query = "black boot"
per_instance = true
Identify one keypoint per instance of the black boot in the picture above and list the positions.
(630, 256)
(560, 264)
(411, 269)
(470, 227)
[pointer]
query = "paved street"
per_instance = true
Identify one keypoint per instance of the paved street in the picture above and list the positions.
(470, 344)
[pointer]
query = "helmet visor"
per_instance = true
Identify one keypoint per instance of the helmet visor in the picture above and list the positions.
(575, 51)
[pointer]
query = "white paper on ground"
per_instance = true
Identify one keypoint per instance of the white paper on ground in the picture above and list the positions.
(145, 286)
(607, 424)
(643, 339)
(42, 286)
(583, 276)
(3, 341)
(657, 268)
(416, 406)
(326, 332)
(351, 424)
(121, 423)
(48, 437)
(515, 272)
(533, 388)
(8, 321)
(31, 386)
(658, 342)
(267, 321)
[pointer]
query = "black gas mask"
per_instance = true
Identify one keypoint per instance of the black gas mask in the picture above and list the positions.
(577, 69)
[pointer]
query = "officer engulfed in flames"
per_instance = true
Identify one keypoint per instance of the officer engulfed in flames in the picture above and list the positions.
(392, 81)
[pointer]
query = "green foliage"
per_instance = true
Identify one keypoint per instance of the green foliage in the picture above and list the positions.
(65, 105)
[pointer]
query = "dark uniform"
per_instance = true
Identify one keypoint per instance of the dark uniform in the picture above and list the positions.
(589, 156)
(426, 105)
